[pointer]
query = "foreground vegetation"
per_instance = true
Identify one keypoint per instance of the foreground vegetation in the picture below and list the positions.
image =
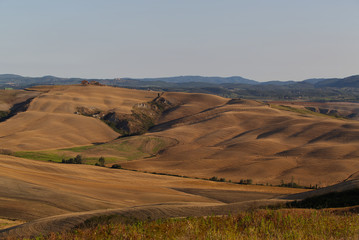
(274, 223)
(258, 224)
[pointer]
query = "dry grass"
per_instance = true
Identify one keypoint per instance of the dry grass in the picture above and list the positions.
(258, 224)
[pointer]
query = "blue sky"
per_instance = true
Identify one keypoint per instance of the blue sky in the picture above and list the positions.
(257, 39)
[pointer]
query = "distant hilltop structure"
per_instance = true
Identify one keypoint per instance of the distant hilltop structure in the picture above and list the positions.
(85, 83)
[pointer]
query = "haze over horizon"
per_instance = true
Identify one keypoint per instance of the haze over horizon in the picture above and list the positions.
(263, 41)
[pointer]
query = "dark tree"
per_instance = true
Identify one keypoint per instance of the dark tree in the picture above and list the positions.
(101, 161)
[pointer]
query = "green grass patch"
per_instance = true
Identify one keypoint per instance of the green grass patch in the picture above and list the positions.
(94, 160)
(41, 156)
(124, 149)
(258, 224)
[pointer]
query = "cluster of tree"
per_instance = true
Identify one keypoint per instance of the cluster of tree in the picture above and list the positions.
(242, 181)
(76, 160)
(292, 184)
(217, 179)
(79, 160)
(246, 181)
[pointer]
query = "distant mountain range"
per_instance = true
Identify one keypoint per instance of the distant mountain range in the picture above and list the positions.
(18, 81)
(184, 79)
(335, 89)
(352, 81)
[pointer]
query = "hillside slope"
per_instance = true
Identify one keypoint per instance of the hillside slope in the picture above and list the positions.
(50, 121)
(243, 139)
(233, 139)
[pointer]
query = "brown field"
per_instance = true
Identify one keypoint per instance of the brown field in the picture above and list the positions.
(203, 136)
(249, 140)
(53, 197)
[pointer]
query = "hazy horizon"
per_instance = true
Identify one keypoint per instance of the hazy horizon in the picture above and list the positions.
(129, 77)
(258, 40)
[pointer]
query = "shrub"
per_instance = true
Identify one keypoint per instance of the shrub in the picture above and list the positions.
(116, 166)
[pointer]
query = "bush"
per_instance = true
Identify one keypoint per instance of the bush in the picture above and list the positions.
(118, 166)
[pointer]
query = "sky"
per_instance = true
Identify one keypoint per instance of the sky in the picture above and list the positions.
(256, 39)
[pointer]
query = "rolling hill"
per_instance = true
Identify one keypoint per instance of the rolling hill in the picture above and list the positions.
(232, 139)
(245, 139)
(197, 137)
(50, 121)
